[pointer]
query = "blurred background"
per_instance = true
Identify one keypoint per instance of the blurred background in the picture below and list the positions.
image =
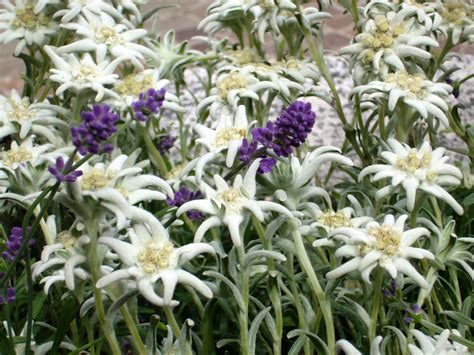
(184, 18)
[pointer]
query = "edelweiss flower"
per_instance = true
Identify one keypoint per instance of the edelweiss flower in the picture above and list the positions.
(18, 156)
(298, 70)
(64, 256)
(439, 345)
(83, 74)
(349, 349)
(20, 21)
(229, 205)
(386, 245)
(228, 134)
(232, 87)
(103, 35)
(385, 41)
(42, 349)
(426, 13)
(291, 181)
(18, 115)
(330, 220)
(131, 86)
(220, 13)
(423, 169)
(150, 257)
(119, 185)
(76, 7)
(458, 19)
(416, 91)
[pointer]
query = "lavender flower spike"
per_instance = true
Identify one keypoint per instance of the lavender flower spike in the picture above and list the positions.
(97, 126)
(148, 104)
(183, 196)
(57, 171)
(14, 244)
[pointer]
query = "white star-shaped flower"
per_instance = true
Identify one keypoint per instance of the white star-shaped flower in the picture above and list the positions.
(414, 169)
(437, 345)
(76, 7)
(386, 245)
(102, 34)
(150, 257)
(79, 74)
(19, 116)
(119, 185)
(21, 22)
(230, 205)
(416, 91)
(227, 135)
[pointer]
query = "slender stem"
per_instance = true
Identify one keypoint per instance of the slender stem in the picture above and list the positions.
(319, 59)
(324, 303)
(274, 292)
(244, 311)
(132, 327)
(157, 158)
(107, 330)
(376, 304)
(172, 321)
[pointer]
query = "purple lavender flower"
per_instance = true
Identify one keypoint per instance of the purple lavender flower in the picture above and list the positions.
(97, 126)
(392, 291)
(413, 313)
(14, 244)
(148, 104)
(248, 152)
(57, 170)
(292, 127)
(407, 320)
(185, 195)
(166, 143)
(10, 296)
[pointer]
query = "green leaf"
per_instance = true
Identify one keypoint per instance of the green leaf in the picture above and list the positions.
(115, 307)
(317, 341)
(459, 317)
(156, 9)
(254, 329)
(38, 303)
(233, 288)
(68, 313)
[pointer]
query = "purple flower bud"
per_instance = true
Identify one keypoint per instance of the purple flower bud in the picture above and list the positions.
(13, 244)
(407, 320)
(57, 171)
(97, 127)
(182, 196)
(148, 104)
(166, 143)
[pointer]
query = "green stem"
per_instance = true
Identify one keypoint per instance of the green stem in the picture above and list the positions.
(92, 257)
(132, 327)
(376, 304)
(172, 321)
(157, 158)
(244, 311)
(324, 303)
(274, 292)
(319, 59)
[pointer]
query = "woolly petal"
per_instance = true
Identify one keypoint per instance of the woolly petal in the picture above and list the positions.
(345, 268)
(407, 269)
(126, 251)
(205, 226)
(112, 277)
(191, 280)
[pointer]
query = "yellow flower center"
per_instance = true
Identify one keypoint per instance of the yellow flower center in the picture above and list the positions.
(96, 178)
(84, 73)
(175, 172)
(387, 239)
(384, 36)
(134, 85)
(414, 161)
(232, 198)
(232, 81)
(27, 18)
(20, 110)
(108, 35)
(456, 12)
(224, 136)
(244, 56)
(66, 239)
(407, 82)
(155, 257)
(19, 155)
(333, 219)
